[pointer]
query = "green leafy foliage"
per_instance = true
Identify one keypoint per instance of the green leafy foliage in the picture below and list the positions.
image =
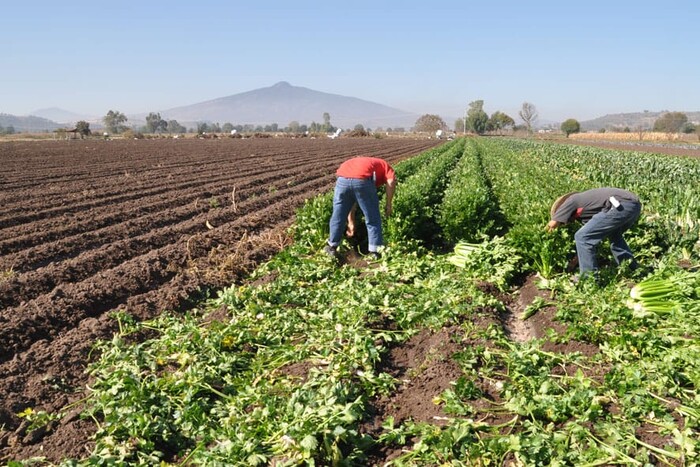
(469, 210)
(417, 199)
(312, 221)
(493, 261)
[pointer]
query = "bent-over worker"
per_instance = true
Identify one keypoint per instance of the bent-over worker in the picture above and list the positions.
(605, 213)
(357, 182)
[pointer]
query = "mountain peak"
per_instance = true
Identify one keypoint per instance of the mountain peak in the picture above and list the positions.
(282, 103)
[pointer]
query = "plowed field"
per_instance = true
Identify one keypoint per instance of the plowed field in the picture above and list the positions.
(91, 227)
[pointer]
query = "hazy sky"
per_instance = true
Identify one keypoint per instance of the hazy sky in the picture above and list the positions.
(575, 59)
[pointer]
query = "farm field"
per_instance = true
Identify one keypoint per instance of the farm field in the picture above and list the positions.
(466, 344)
(91, 227)
(687, 149)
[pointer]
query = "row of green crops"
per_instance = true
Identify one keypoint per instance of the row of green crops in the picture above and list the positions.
(528, 176)
(416, 204)
(287, 372)
(469, 210)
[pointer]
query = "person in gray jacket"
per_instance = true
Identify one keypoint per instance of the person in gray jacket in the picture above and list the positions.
(605, 213)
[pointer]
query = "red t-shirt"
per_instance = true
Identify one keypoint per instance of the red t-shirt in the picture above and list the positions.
(367, 167)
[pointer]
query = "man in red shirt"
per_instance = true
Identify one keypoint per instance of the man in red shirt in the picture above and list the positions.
(357, 182)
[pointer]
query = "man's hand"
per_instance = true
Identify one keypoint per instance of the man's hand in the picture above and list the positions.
(350, 229)
(551, 225)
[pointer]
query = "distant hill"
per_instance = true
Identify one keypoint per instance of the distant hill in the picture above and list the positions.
(30, 124)
(283, 103)
(630, 120)
(59, 115)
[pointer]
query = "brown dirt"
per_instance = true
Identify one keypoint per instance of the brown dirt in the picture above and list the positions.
(90, 227)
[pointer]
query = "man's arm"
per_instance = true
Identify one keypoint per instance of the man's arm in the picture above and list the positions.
(390, 187)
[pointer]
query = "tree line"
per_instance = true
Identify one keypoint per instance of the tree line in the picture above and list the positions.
(476, 121)
(115, 123)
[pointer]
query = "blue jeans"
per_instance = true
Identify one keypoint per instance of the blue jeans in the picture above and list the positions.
(349, 191)
(606, 224)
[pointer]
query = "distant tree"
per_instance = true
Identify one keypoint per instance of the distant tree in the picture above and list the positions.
(500, 121)
(692, 128)
(430, 123)
(528, 113)
(477, 119)
(357, 134)
(215, 128)
(114, 121)
(175, 127)
(570, 126)
(293, 126)
(359, 127)
(8, 130)
(202, 128)
(459, 125)
(640, 132)
(83, 128)
(671, 122)
(227, 127)
(154, 123)
(326, 122)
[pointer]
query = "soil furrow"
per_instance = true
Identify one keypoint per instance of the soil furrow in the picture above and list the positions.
(53, 229)
(24, 287)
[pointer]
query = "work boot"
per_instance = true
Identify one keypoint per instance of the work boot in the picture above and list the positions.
(374, 255)
(330, 251)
